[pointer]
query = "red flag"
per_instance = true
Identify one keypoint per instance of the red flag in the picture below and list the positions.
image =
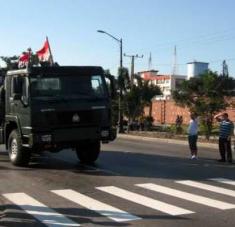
(23, 60)
(44, 54)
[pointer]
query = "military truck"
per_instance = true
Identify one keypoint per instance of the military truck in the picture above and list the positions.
(53, 108)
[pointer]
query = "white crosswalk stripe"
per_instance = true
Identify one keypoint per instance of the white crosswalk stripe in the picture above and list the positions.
(40, 211)
(208, 187)
(188, 196)
(51, 218)
(145, 201)
(224, 181)
(99, 207)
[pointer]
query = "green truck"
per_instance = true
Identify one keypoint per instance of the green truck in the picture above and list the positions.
(53, 108)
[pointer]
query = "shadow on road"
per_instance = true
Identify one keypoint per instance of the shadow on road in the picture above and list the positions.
(160, 166)
(15, 216)
(129, 164)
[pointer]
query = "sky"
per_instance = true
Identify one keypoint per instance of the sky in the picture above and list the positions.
(200, 30)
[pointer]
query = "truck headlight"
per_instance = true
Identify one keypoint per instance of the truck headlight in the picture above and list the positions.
(46, 138)
(104, 133)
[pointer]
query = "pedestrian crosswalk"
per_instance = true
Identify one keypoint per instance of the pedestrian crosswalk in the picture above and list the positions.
(97, 206)
(207, 187)
(38, 210)
(145, 201)
(223, 180)
(52, 218)
(189, 196)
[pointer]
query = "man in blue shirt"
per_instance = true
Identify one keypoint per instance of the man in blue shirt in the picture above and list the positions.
(225, 133)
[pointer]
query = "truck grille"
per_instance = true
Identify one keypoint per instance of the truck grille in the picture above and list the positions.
(81, 118)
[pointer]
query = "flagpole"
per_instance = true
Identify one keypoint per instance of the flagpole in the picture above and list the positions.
(51, 56)
(29, 62)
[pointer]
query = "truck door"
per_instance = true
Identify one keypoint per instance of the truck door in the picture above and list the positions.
(18, 100)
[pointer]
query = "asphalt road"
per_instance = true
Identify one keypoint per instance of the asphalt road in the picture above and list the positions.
(134, 183)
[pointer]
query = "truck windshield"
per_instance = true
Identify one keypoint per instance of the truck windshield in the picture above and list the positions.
(67, 86)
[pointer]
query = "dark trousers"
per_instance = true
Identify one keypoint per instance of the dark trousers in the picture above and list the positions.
(192, 140)
(225, 147)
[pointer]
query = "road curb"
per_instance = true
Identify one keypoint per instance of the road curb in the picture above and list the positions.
(166, 140)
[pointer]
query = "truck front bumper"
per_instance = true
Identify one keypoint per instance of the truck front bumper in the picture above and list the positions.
(71, 136)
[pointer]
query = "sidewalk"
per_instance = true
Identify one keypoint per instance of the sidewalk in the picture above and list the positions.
(166, 140)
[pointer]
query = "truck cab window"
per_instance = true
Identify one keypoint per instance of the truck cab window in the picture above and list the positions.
(97, 85)
(45, 86)
(16, 86)
(68, 86)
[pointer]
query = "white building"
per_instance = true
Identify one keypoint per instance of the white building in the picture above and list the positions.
(196, 68)
(167, 83)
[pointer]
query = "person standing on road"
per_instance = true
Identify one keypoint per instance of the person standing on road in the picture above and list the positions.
(192, 135)
(225, 133)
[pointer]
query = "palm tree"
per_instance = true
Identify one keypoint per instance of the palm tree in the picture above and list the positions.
(139, 96)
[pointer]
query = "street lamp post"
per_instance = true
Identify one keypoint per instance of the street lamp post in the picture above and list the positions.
(120, 111)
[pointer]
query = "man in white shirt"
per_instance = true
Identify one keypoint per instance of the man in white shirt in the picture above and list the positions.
(192, 135)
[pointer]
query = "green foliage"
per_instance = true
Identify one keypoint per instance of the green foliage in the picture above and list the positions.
(132, 102)
(123, 79)
(114, 111)
(136, 98)
(205, 95)
(148, 91)
(11, 62)
(149, 119)
(148, 122)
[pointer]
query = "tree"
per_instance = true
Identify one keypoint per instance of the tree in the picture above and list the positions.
(123, 85)
(11, 62)
(225, 69)
(124, 82)
(148, 91)
(205, 95)
(139, 96)
(133, 103)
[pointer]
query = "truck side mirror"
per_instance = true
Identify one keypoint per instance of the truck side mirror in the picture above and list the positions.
(112, 86)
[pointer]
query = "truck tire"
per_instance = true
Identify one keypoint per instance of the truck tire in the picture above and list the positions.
(19, 156)
(88, 152)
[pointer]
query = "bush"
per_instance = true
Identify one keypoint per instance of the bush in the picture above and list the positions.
(170, 129)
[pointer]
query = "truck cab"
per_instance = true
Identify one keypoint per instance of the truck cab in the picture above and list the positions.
(52, 108)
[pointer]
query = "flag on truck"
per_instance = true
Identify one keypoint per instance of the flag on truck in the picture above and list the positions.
(23, 60)
(44, 54)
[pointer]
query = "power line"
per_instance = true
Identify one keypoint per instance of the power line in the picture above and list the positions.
(199, 38)
(133, 57)
(210, 62)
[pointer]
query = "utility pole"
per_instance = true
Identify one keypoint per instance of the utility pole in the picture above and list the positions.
(150, 61)
(175, 66)
(225, 69)
(133, 65)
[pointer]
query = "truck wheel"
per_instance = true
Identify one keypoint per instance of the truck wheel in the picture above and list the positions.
(88, 152)
(18, 155)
